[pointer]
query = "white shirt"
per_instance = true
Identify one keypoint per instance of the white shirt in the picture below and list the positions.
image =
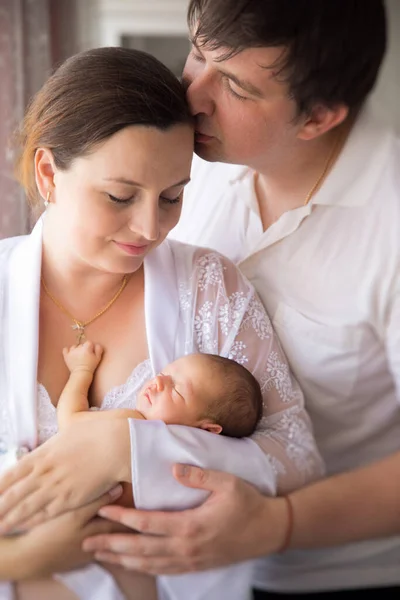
(328, 274)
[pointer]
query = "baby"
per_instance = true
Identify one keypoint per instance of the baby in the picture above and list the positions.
(200, 390)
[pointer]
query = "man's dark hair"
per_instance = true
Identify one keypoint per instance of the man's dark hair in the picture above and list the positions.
(333, 48)
(238, 407)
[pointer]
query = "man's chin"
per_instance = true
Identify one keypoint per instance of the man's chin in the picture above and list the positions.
(205, 152)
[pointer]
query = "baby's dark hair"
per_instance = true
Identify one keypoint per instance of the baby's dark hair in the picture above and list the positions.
(238, 407)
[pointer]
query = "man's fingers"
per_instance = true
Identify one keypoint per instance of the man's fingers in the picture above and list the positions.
(205, 479)
(143, 521)
(150, 566)
(90, 510)
(135, 545)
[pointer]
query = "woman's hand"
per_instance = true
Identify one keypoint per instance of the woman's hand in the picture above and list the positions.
(74, 467)
(56, 546)
(234, 524)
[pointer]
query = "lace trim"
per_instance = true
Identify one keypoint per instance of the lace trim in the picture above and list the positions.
(278, 376)
(120, 396)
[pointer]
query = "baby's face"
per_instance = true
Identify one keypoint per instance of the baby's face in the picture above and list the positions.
(177, 395)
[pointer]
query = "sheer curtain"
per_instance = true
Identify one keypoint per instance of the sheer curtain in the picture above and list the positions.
(35, 35)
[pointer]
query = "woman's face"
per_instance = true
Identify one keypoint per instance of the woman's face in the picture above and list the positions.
(113, 206)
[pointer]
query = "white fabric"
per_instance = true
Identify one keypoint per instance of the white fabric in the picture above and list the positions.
(206, 306)
(328, 274)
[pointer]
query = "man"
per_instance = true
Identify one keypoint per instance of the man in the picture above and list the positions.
(281, 86)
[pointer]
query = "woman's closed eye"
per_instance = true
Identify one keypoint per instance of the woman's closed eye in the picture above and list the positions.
(175, 200)
(118, 200)
(164, 199)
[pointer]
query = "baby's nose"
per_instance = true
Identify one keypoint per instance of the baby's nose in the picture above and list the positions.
(160, 383)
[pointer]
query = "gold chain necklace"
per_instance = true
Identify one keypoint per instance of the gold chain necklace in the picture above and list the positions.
(331, 159)
(329, 162)
(79, 326)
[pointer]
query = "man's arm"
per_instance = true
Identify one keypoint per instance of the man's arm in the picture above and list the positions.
(349, 507)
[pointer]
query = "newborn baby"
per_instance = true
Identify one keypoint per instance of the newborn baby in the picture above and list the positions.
(200, 390)
(207, 391)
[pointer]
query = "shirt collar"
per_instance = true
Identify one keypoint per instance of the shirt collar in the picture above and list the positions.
(359, 166)
(356, 172)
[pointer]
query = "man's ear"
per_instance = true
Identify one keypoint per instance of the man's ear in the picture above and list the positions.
(211, 427)
(321, 120)
(45, 170)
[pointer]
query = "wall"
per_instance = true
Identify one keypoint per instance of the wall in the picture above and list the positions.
(386, 97)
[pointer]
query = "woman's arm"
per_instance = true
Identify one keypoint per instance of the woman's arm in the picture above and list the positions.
(13, 565)
(54, 546)
(72, 468)
(226, 317)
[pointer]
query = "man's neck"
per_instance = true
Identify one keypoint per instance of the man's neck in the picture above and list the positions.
(292, 181)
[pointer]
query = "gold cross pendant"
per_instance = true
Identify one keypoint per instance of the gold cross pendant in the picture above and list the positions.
(80, 335)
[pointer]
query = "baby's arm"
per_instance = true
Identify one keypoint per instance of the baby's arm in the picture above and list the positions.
(82, 362)
(73, 403)
(115, 413)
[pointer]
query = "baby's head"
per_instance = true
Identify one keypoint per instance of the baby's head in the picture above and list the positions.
(206, 391)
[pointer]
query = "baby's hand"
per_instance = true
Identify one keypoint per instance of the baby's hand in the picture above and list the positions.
(84, 357)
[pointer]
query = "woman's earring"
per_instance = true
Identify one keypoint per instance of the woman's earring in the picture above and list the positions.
(47, 201)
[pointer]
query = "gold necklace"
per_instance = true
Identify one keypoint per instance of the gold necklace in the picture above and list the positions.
(329, 162)
(79, 326)
(331, 159)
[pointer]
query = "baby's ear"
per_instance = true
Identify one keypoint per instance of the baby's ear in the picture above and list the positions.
(211, 427)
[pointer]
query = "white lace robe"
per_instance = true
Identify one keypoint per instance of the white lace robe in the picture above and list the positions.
(195, 301)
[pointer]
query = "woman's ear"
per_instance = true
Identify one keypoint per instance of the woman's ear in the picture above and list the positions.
(45, 170)
(321, 120)
(211, 427)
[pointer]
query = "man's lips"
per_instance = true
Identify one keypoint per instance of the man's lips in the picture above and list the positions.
(133, 249)
(202, 137)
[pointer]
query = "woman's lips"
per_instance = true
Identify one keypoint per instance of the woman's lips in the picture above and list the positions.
(132, 249)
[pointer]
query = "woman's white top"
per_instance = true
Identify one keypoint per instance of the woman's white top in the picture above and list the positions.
(195, 301)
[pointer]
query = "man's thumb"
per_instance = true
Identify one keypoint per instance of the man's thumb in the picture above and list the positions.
(196, 477)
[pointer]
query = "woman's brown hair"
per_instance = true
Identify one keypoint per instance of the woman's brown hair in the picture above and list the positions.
(91, 96)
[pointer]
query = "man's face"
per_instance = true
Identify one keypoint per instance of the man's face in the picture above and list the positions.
(243, 112)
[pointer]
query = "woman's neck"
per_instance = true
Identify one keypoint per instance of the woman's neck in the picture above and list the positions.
(80, 287)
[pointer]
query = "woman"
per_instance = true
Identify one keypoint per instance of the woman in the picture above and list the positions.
(107, 143)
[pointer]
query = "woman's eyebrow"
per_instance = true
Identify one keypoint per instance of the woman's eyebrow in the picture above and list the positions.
(137, 184)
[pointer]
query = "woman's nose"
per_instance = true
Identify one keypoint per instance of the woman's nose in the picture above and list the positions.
(145, 221)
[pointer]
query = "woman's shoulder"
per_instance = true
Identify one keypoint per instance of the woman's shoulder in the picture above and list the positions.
(206, 264)
(198, 254)
(8, 244)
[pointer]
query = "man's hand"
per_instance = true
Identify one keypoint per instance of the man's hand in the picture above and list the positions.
(236, 523)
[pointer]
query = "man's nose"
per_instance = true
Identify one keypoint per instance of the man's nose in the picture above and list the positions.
(199, 93)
